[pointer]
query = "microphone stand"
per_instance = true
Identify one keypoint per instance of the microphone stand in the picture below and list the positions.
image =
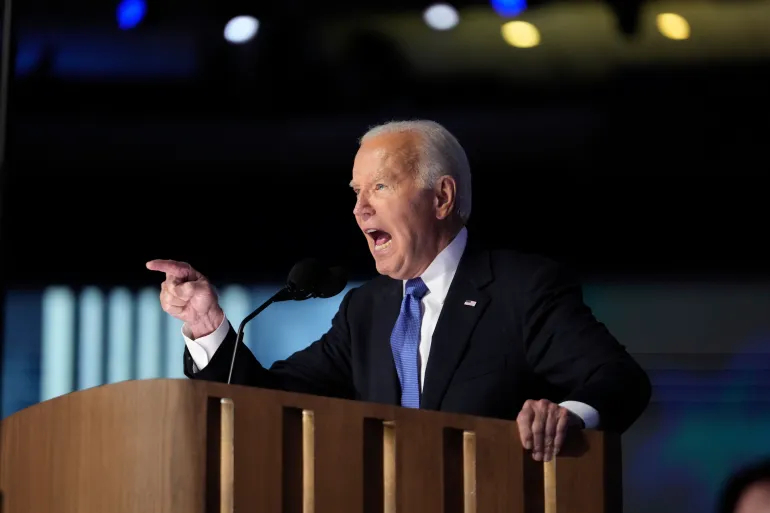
(297, 288)
(285, 294)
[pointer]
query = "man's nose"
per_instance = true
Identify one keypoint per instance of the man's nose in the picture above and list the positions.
(363, 208)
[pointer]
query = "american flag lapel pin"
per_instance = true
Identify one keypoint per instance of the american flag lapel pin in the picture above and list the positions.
(469, 303)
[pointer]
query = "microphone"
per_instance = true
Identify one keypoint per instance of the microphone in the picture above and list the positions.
(307, 279)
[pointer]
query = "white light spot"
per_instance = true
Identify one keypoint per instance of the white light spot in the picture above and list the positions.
(241, 29)
(441, 17)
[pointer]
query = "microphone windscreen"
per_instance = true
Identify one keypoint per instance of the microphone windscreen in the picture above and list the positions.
(310, 278)
(307, 275)
(336, 280)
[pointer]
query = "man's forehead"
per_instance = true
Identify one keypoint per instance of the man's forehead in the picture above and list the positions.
(384, 158)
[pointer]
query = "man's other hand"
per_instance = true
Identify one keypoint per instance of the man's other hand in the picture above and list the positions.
(543, 427)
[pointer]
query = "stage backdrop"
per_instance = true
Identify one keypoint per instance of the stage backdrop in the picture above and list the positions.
(706, 346)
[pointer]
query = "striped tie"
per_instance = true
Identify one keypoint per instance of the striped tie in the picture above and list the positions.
(405, 342)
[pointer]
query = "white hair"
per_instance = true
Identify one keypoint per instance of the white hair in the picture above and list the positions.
(439, 154)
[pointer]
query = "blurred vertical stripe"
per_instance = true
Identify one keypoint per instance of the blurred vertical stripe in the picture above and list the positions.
(149, 347)
(90, 369)
(57, 366)
(120, 329)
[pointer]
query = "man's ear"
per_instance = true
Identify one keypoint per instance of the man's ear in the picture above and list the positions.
(445, 196)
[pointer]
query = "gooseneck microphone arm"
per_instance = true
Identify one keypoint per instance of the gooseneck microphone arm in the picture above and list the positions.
(307, 279)
(281, 295)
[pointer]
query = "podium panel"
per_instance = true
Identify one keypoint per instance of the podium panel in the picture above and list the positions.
(193, 446)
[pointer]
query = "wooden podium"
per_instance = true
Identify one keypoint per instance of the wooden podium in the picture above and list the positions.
(184, 446)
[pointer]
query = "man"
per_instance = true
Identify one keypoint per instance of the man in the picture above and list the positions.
(448, 325)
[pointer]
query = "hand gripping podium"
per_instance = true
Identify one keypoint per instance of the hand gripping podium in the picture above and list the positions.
(185, 446)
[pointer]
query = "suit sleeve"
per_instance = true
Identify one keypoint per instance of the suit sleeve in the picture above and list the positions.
(571, 349)
(323, 368)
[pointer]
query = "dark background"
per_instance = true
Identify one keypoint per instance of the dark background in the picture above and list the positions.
(239, 160)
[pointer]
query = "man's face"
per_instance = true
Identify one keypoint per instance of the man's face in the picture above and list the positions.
(399, 218)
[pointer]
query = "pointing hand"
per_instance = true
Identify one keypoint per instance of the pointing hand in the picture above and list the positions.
(187, 295)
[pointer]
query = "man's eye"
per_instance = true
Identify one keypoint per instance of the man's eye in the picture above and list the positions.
(379, 186)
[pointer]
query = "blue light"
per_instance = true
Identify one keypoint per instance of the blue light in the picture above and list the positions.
(509, 7)
(130, 13)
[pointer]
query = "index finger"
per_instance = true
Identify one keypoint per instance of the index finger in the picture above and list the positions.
(171, 267)
(524, 420)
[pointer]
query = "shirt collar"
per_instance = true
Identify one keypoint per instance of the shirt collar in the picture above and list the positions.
(439, 274)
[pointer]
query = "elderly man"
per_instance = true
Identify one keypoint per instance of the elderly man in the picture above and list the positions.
(448, 325)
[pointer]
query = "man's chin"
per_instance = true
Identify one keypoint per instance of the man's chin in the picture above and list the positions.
(383, 262)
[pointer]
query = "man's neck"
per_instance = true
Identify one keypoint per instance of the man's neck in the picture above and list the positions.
(444, 241)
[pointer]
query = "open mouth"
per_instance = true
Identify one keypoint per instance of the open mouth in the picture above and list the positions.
(382, 239)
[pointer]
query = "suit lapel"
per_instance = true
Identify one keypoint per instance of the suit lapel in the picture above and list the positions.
(386, 389)
(456, 324)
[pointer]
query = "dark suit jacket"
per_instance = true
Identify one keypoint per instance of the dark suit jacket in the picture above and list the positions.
(529, 336)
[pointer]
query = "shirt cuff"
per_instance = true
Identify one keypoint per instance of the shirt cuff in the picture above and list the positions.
(202, 349)
(587, 414)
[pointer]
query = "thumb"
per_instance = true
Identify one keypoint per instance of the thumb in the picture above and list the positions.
(184, 291)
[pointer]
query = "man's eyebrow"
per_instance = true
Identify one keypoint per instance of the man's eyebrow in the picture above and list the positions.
(379, 177)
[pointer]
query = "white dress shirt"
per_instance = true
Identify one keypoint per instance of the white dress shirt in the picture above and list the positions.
(437, 277)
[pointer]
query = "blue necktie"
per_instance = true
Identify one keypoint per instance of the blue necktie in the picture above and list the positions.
(405, 342)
